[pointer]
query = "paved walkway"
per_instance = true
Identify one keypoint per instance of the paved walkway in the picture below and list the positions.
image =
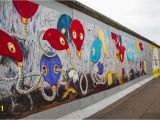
(144, 103)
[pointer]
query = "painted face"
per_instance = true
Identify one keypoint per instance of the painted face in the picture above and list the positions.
(9, 47)
(64, 26)
(25, 8)
(95, 51)
(131, 52)
(77, 34)
(56, 39)
(51, 65)
(100, 67)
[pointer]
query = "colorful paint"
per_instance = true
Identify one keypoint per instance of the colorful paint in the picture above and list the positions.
(61, 58)
(155, 61)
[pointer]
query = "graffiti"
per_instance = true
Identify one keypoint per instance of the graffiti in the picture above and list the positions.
(61, 58)
(77, 34)
(64, 26)
(155, 62)
(26, 10)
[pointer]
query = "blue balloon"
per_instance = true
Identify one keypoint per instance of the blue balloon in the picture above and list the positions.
(95, 51)
(50, 65)
(64, 26)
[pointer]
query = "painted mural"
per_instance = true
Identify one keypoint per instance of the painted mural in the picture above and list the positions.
(155, 61)
(48, 58)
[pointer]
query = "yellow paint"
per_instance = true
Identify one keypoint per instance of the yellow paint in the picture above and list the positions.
(155, 70)
(69, 90)
(110, 80)
(79, 54)
(24, 20)
(2, 108)
(145, 67)
(138, 47)
(102, 37)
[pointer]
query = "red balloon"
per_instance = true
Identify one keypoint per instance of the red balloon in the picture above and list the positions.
(9, 47)
(121, 53)
(25, 8)
(77, 33)
(115, 39)
(56, 39)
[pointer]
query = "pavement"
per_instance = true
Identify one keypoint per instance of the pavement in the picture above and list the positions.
(144, 103)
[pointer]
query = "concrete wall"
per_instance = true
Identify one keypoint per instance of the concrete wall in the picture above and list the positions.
(98, 70)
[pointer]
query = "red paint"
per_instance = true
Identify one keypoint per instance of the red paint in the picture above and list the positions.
(115, 39)
(121, 53)
(76, 27)
(56, 39)
(141, 46)
(5, 49)
(25, 8)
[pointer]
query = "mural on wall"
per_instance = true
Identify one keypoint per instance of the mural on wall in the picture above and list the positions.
(48, 58)
(155, 61)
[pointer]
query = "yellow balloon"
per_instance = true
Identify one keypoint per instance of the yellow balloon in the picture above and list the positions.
(102, 37)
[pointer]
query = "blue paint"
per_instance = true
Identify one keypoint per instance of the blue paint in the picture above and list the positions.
(51, 77)
(100, 68)
(120, 39)
(108, 33)
(64, 23)
(131, 52)
(95, 51)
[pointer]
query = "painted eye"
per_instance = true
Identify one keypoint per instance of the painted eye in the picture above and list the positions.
(55, 69)
(11, 47)
(63, 31)
(62, 41)
(74, 34)
(44, 68)
(93, 51)
(81, 36)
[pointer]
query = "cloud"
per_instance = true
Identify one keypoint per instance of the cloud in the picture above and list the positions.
(141, 16)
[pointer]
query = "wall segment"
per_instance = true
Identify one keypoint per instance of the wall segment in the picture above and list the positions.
(58, 54)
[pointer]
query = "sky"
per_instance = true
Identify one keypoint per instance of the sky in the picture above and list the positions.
(141, 16)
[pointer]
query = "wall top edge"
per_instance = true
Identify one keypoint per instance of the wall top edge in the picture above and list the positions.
(89, 11)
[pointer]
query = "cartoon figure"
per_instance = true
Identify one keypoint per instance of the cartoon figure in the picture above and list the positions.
(51, 68)
(100, 67)
(121, 53)
(26, 9)
(95, 52)
(115, 39)
(131, 52)
(132, 57)
(9, 47)
(73, 29)
(56, 39)
(64, 26)
(78, 35)
(97, 76)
